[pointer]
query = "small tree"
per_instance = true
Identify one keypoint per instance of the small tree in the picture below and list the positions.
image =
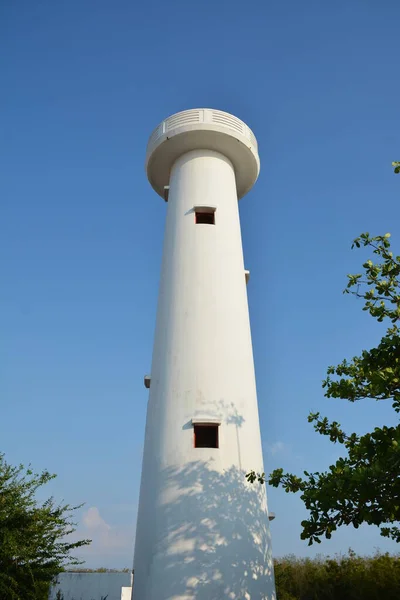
(364, 486)
(33, 544)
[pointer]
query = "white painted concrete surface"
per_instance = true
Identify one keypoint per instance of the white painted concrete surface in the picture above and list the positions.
(202, 531)
(197, 129)
(90, 586)
(126, 593)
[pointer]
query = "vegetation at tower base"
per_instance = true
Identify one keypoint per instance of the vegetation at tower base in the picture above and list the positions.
(348, 577)
(33, 544)
(364, 485)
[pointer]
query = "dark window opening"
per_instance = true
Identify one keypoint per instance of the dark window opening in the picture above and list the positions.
(205, 218)
(206, 436)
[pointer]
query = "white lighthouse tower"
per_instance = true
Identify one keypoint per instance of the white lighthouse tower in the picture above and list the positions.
(202, 530)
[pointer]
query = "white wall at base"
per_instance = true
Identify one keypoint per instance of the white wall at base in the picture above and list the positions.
(126, 593)
(90, 586)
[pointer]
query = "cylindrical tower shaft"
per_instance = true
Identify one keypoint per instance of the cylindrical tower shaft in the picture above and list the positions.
(202, 530)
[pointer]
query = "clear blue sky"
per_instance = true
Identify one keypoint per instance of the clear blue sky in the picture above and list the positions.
(83, 84)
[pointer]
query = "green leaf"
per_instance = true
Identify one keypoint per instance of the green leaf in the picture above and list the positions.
(35, 543)
(363, 486)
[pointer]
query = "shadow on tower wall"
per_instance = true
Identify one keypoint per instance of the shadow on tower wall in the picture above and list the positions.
(211, 535)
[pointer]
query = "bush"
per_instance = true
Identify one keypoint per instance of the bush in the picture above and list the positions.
(349, 577)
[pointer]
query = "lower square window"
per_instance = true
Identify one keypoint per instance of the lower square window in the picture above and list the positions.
(206, 436)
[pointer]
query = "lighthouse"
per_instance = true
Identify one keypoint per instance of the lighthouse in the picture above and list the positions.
(202, 529)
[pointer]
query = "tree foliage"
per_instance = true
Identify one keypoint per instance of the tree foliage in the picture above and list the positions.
(364, 485)
(396, 166)
(33, 535)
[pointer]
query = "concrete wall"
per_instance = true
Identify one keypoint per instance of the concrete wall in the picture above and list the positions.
(90, 586)
(126, 593)
(202, 531)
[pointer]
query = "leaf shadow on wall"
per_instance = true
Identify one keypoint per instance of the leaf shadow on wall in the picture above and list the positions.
(211, 536)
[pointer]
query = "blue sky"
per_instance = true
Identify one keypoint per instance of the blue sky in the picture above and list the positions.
(83, 85)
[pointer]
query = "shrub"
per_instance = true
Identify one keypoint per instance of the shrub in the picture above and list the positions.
(348, 577)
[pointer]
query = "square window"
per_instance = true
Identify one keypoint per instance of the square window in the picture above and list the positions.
(205, 218)
(206, 436)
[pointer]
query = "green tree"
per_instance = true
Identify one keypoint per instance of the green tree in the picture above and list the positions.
(396, 166)
(33, 536)
(364, 485)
